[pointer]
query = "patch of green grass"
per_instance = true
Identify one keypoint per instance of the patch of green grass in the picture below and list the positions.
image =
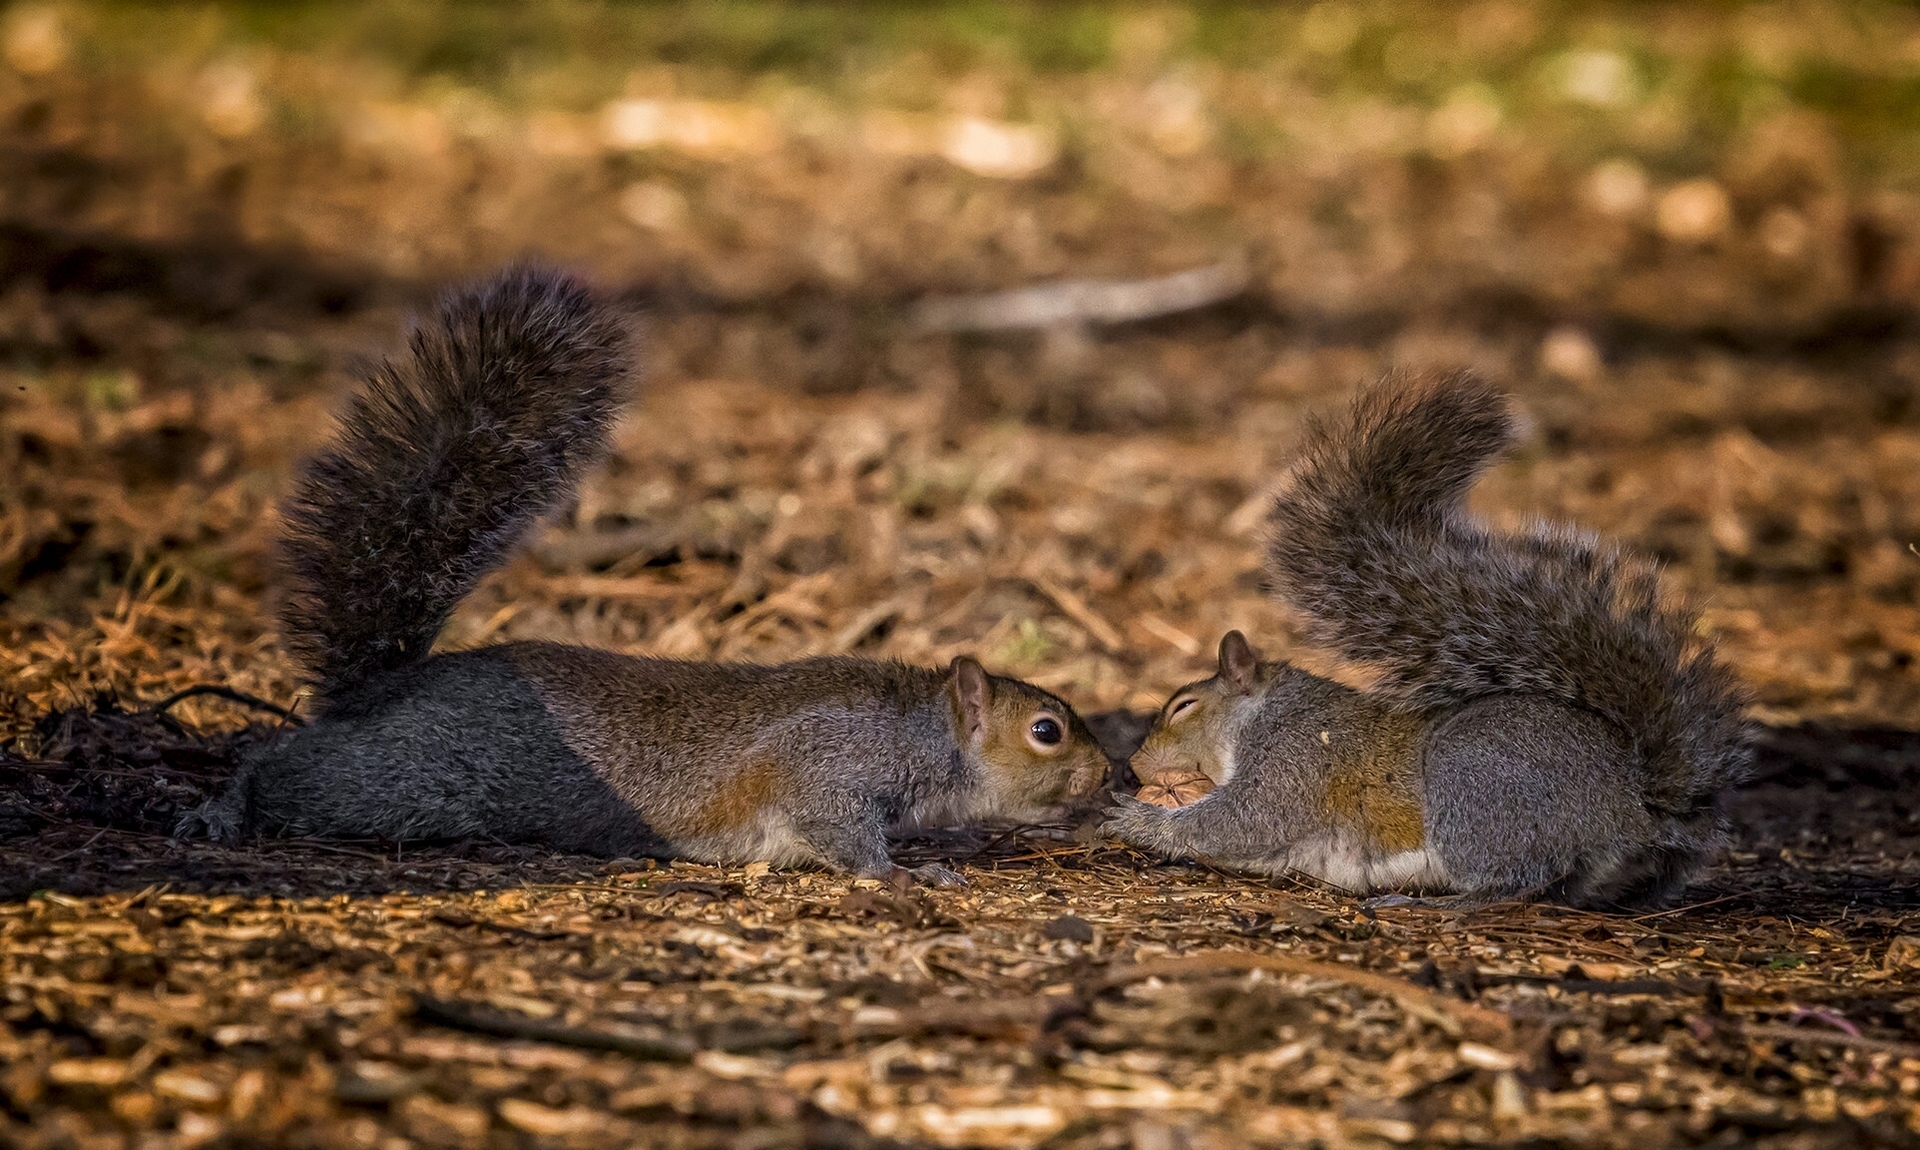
(493, 43)
(112, 390)
(1028, 646)
(1715, 68)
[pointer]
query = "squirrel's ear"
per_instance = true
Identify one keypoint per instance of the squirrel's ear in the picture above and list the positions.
(1238, 663)
(972, 694)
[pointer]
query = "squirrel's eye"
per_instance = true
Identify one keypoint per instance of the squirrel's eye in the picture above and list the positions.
(1180, 706)
(1046, 732)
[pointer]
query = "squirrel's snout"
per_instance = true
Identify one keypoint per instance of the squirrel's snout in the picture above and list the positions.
(1084, 782)
(1155, 764)
(1093, 777)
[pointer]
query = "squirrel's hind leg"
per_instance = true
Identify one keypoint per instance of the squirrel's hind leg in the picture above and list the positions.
(854, 841)
(1529, 797)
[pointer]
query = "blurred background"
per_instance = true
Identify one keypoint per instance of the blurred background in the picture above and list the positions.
(1687, 237)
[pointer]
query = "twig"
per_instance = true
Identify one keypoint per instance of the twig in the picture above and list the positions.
(81, 848)
(1837, 1021)
(72, 824)
(332, 848)
(476, 1020)
(1085, 301)
(646, 888)
(1685, 909)
(1782, 1033)
(51, 766)
(1010, 833)
(1049, 855)
(152, 891)
(1168, 633)
(461, 922)
(864, 623)
(1076, 609)
(1452, 1017)
(616, 1037)
(1013, 1021)
(1659, 986)
(256, 702)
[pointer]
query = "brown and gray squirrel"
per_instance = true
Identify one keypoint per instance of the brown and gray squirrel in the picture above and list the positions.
(443, 462)
(1541, 721)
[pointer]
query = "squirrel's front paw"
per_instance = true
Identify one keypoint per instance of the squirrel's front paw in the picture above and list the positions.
(1132, 821)
(935, 875)
(211, 820)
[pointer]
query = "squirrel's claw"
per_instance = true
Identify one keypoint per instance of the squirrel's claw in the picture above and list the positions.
(211, 820)
(931, 874)
(1384, 901)
(935, 875)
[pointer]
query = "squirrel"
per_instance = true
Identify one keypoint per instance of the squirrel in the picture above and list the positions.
(1542, 721)
(442, 463)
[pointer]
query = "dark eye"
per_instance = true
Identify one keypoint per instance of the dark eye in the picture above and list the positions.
(1046, 732)
(1181, 706)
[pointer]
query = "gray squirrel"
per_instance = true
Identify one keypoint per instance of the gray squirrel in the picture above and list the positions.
(443, 462)
(1542, 722)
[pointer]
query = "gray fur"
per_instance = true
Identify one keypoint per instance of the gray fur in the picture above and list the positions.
(443, 462)
(608, 754)
(1254, 819)
(1372, 546)
(1525, 794)
(1574, 737)
(459, 746)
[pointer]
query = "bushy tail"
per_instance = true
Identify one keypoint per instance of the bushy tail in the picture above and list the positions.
(1372, 546)
(442, 462)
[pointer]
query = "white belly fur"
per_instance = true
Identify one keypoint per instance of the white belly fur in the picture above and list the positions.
(770, 839)
(1338, 860)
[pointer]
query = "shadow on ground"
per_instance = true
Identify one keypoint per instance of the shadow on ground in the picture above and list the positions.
(1820, 833)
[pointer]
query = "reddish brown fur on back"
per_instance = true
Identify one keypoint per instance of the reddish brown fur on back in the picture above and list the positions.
(702, 749)
(1374, 786)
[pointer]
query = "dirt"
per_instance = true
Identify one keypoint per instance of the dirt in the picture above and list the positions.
(335, 993)
(1700, 285)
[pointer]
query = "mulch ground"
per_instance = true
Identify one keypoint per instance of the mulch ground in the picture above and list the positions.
(1687, 243)
(351, 994)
